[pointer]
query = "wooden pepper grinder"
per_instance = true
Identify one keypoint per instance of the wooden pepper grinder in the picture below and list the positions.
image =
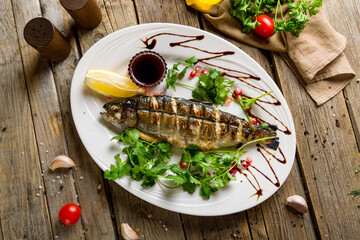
(85, 12)
(41, 34)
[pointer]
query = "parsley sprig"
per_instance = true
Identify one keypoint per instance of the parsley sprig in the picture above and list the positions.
(355, 193)
(148, 162)
(246, 103)
(173, 74)
(247, 10)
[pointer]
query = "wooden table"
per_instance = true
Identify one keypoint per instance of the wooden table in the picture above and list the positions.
(36, 125)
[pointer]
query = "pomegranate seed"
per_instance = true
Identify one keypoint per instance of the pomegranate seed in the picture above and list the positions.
(192, 74)
(198, 71)
(204, 72)
(228, 101)
(254, 121)
(248, 160)
(238, 91)
(238, 97)
(183, 164)
(209, 174)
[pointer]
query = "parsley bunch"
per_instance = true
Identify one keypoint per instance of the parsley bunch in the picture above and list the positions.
(148, 162)
(247, 10)
(212, 87)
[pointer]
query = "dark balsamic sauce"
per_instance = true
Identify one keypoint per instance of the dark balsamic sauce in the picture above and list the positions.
(147, 69)
(283, 161)
(152, 44)
(286, 131)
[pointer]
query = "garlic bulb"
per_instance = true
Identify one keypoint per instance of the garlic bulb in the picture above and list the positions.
(298, 203)
(61, 161)
(127, 233)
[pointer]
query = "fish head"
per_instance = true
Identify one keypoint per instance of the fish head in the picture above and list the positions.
(113, 112)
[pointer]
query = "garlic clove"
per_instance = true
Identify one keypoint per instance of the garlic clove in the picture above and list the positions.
(127, 233)
(61, 161)
(298, 203)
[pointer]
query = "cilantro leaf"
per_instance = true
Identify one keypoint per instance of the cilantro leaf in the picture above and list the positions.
(212, 87)
(206, 189)
(191, 60)
(189, 187)
(178, 179)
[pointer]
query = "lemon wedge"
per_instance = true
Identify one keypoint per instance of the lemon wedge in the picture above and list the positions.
(202, 5)
(111, 84)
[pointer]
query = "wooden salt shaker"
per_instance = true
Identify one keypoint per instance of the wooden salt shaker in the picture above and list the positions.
(85, 12)
(41, 34)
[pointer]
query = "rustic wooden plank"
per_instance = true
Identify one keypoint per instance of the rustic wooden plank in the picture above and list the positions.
(47, 122)
(152, 222)
(1, 232)
(328, 156)
(272, 219)
(96, 216)
(165, 11)
(22, 203)
(344, 17)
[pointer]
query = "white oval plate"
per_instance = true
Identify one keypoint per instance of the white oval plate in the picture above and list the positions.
(114, 51)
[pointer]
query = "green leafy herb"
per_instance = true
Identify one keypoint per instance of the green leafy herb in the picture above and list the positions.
(147, 161)
(212, 87)
(355, 193)
(264, 125)
(173, 75)
(247, 10)
(246, 103)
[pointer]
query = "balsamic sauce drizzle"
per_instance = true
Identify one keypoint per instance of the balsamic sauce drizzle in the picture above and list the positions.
(286, 131)
(150, 43)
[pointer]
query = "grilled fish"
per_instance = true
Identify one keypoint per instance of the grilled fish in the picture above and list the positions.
(182, 122)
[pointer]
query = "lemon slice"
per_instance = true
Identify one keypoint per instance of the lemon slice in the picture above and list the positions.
(202, 5)
(111, 84)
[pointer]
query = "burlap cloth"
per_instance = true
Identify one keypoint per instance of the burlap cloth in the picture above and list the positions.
(316, 57)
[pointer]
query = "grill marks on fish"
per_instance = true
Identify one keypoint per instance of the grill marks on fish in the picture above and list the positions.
(182, 122)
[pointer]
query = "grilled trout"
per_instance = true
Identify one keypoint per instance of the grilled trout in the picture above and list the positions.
(182, 122)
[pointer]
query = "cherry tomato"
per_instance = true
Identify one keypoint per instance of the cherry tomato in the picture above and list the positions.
(69, 214)
(183, 164)
(266, 27)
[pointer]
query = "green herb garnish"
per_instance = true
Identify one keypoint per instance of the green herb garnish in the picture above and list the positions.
(212, 87)
(355, 193)
(247, 10)
(148, 162)
(173, 75)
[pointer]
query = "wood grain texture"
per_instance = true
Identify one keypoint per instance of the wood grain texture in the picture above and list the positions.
(272, 219)
(48, 124)
(328, 156)
(23, 205)
(96, 217)
(1, 232)
(85, 13)
(341, 16)
(128, 208)
(152, 222)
